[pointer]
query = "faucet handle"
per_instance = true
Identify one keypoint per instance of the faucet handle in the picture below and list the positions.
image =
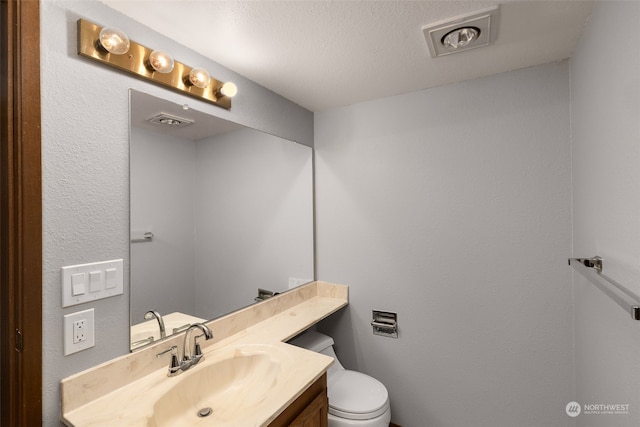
(174, 366)
(197, 351)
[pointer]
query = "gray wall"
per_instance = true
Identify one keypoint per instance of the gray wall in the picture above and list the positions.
(451, 206)
(605, 128)
(85, 146)
(230, 214)
(163, 202)
(254, 218)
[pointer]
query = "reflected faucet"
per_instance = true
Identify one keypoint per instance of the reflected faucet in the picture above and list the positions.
(190, 358)
(153, 313)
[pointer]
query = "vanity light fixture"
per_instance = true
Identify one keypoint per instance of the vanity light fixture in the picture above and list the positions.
(199, 77)
(161, 61)
(114, 41)
(112, 47)
(228, 89)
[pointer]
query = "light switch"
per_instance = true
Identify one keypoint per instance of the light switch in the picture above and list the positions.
(96, 283)
(77, 284)
(111, 278)
(90, 282)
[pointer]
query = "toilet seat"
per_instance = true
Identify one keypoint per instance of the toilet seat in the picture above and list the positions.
(356, 396)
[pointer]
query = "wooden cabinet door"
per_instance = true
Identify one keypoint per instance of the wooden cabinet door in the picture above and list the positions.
(309, 410)
(314, 415)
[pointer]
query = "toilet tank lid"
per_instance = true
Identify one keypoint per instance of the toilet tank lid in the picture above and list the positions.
(312, 340)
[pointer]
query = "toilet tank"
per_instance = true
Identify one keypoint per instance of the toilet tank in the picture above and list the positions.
(320, 343)
(312, 340)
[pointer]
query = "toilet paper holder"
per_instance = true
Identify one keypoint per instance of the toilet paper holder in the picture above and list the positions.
(385, 323)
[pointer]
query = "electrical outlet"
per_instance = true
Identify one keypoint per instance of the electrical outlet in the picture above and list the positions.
(78, 331)
(79, 327)
(294, 282)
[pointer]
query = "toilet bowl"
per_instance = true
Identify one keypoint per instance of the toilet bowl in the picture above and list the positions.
(355, 399)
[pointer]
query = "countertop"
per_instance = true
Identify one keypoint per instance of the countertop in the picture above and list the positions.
(125, 390)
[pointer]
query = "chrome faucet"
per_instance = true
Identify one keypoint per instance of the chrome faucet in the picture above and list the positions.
(153, 313)
(190, 358)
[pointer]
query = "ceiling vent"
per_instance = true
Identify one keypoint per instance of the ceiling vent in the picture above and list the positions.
(464, 32)
(170, 120)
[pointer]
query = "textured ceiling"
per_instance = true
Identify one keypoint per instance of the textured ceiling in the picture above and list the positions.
(323, 54)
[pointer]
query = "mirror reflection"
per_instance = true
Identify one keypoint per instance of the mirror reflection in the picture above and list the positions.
(218, 211)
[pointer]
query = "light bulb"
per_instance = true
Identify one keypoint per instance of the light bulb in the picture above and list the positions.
(199, 77)
(229, 89)
(460, 37)
(161, 61)
(114, 41)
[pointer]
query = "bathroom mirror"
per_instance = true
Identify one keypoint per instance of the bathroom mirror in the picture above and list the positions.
(218, 211)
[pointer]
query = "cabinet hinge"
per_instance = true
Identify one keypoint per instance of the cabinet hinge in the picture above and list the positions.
(19, 342)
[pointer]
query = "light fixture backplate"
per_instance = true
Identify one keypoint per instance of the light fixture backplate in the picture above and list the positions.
(134, 62)
(486, 20)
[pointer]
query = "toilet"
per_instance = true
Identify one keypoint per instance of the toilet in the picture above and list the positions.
(355, 399)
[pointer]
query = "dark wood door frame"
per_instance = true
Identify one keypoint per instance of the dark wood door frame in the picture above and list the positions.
(20, 215)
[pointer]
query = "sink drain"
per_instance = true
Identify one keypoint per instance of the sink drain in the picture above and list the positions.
(205, 412)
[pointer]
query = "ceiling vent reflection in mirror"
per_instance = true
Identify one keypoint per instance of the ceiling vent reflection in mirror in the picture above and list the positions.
(112, 47)
(165, 119)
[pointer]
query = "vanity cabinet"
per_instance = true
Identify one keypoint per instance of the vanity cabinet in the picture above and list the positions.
(308, 410)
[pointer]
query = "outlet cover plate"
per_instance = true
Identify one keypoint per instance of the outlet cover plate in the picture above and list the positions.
(89, 332)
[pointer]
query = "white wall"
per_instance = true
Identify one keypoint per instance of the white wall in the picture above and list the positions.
(163, 202)
(605, 127)
(254, 195)
(451, 206)
(85, 146)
